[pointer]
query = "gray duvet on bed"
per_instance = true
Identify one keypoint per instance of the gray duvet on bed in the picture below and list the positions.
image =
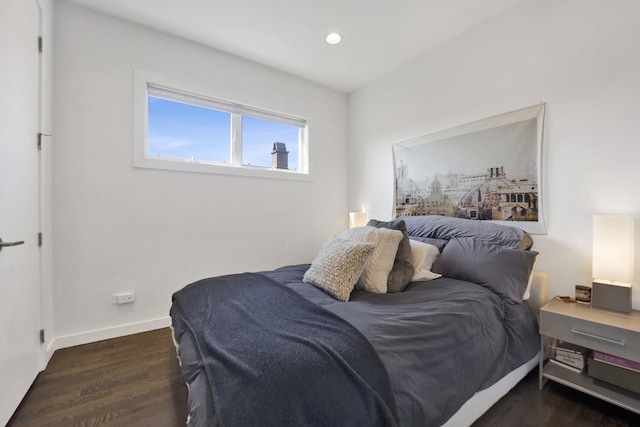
(440, 341)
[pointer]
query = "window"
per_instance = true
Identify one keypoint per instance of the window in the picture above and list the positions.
(180, 130)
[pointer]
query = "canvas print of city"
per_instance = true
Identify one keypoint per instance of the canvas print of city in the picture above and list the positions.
(485, 170)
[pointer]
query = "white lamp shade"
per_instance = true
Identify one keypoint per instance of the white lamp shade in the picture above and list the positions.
(613, 241)
(358, 219)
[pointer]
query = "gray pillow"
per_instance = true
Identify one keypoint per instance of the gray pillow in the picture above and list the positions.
(402, 270)
(505, 271)
(443, 227)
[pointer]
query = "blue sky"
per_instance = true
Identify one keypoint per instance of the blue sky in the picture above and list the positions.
(186, 131)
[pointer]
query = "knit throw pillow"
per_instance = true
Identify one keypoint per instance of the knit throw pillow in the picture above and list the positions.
(338, 266)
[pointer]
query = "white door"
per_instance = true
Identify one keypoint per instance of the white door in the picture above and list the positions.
(20, 348)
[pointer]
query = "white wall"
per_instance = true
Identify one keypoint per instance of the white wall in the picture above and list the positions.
(118, 228)
(581, 58)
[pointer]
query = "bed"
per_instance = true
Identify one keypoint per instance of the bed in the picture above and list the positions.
(279, 348)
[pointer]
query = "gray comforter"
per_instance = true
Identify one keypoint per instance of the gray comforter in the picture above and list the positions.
(440, 341)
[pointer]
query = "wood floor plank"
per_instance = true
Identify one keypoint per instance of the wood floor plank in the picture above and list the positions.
(135, 381)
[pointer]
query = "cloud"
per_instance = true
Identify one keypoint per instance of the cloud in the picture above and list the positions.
(167, 143)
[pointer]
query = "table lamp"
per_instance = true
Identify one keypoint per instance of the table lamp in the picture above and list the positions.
(358, 219)
(613, 241)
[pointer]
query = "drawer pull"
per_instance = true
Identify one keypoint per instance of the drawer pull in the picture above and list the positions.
(598, 337)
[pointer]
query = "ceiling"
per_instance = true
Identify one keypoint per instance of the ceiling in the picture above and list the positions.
(288, 35)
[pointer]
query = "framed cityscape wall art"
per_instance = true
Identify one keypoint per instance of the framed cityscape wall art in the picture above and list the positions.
(487, 170)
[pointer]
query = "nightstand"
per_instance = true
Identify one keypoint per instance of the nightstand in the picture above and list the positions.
(596, 329)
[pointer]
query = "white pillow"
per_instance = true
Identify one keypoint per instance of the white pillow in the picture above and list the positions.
(424, 255)
(386, 241)
(527, 292)
(338, 266)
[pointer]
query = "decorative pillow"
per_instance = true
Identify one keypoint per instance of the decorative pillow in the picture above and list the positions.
(338, 266)
(505, 271)
(438, 243)
(424, 255)
(374, 279)
(527, 292)
(402, 270)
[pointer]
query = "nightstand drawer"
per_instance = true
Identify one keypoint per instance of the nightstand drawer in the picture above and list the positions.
(591, 334)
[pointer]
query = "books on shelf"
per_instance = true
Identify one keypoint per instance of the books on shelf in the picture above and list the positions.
(564, 365)
(571, 354)
(617, 361)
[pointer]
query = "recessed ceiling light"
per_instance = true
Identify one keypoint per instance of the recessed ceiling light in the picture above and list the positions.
(333, 38)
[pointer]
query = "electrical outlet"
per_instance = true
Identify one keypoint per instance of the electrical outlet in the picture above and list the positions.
(123, 298)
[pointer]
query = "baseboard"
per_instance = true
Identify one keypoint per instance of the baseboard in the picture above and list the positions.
(105, 334)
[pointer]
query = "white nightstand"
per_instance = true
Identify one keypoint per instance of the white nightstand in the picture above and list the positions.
(597, 329)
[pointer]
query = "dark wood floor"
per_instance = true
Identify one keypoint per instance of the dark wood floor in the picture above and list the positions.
(127, 381)
(556, 405)
(135, 381)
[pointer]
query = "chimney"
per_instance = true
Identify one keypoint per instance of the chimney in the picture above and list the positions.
(280, 156)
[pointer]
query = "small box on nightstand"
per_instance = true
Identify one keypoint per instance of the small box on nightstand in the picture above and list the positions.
(583, 294)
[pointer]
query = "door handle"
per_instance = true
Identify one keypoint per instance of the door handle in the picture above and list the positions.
(9, 244)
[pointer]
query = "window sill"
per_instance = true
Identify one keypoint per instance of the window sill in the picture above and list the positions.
(219, 169)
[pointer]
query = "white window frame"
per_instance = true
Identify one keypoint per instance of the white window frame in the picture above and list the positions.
(149, 84)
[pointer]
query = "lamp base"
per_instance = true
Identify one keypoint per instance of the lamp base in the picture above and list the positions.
(611, 297)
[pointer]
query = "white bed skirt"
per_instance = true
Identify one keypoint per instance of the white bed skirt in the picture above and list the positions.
(485, 399)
